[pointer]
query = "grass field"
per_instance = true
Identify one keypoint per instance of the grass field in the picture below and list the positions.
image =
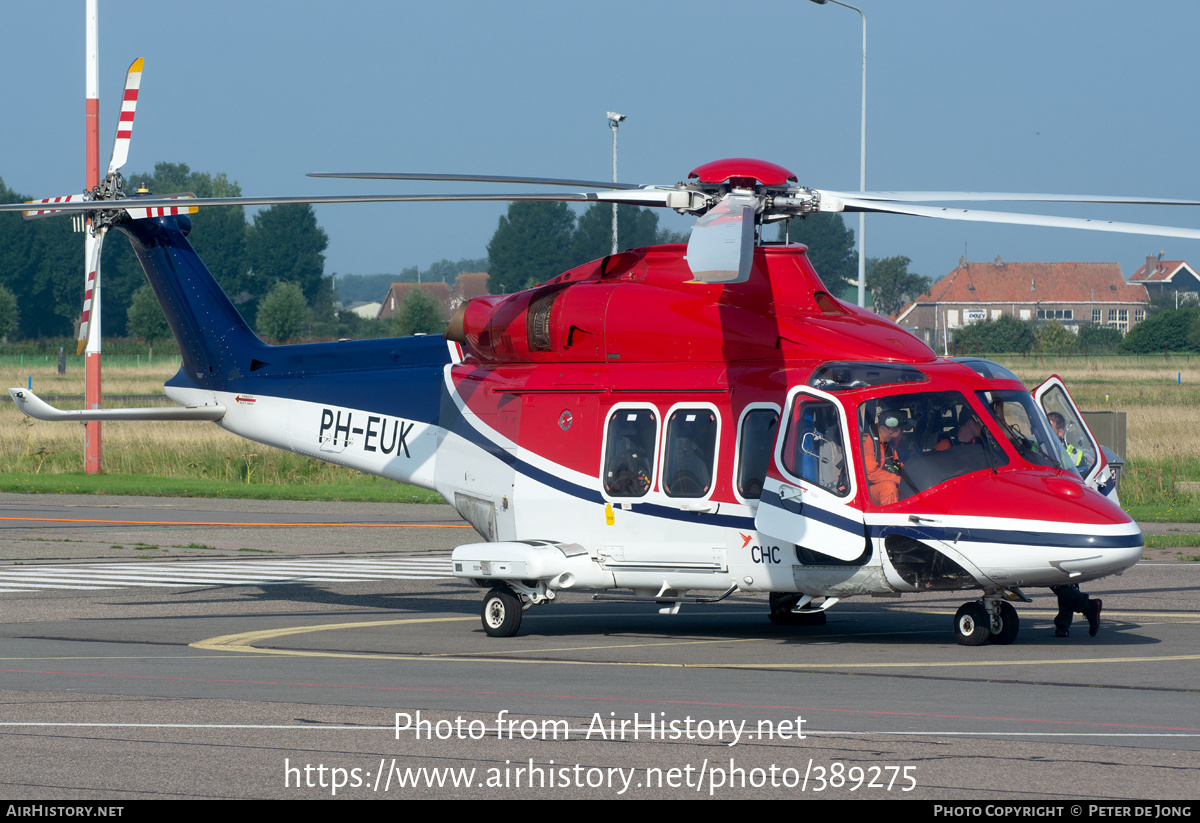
(1160, 396)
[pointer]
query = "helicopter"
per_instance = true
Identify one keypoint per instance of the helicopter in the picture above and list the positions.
(669, 425)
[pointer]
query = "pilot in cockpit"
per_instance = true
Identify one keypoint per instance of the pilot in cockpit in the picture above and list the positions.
(881, 459)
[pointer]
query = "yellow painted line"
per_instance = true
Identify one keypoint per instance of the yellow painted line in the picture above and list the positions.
(619, 646)
(244, 643)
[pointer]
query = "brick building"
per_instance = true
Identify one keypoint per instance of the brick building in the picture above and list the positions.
(1169, 277)
(398, 291)
(1074, 294)
(468, 284)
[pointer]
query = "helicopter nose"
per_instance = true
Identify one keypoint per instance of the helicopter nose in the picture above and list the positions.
(1028, 528)
(1102, 562)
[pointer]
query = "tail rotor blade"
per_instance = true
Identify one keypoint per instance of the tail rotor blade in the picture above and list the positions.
(133, 82)
(45, 206)
(94, 244)
(161, 211)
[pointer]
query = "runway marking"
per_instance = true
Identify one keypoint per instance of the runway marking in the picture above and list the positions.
(214, 523)
(100, 576)
(244, 641)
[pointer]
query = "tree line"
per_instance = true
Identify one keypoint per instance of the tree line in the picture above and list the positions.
(41, 261)
(536, 241)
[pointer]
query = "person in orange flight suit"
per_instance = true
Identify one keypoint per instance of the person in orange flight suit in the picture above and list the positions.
(881, 461)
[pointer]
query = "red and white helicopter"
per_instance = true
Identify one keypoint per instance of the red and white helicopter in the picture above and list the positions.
(671, 424)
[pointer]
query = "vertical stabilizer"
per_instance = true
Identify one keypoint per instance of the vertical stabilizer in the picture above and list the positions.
(216, 344)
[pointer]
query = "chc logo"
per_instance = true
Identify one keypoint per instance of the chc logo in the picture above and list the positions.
(765, 554)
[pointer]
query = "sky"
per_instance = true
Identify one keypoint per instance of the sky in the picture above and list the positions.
(1092, 97)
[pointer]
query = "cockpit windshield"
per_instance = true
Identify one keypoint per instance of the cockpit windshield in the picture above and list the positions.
(913, 442)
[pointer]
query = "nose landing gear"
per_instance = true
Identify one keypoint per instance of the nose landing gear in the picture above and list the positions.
(988, 620)
(501, 612)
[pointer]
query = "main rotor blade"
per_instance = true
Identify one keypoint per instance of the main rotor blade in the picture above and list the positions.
(997, 197)
(476, 178)
(133, 82)
(721, 248)
(979, 216)
(156, 202)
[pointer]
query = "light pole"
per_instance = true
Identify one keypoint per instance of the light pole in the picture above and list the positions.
(862, 171)
(91, 345)
(614, 121)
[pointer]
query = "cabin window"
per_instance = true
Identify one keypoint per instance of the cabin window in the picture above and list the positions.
(629, 453)
(813, 448)
(755, 440)
(691, 450)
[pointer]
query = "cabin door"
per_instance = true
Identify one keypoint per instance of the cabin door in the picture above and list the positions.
(1081, 449)
(807, 503)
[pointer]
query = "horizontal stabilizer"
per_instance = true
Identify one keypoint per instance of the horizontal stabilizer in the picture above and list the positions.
(39, 409)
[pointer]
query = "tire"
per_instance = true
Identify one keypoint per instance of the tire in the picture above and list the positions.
(501, 613)
(1010, 625)
(782, 614)
(972, 624)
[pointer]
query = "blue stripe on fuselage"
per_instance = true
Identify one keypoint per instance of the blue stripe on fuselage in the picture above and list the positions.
(1013, 537)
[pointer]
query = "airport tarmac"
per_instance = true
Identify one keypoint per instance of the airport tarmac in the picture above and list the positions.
(288, 681)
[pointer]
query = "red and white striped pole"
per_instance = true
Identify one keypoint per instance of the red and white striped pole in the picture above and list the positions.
(91, 261)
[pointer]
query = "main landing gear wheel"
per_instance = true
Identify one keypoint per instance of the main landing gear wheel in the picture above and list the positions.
(501, 613)
(1009, 625)
(782, 614)
(972, 624)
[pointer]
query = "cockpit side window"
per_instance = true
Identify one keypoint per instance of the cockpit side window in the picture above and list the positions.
(755, 444)
(629, 455)
(691, 447)
(814, 446)
(1070, 430)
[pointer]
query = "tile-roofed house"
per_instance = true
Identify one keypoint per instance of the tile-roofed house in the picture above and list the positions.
(1169, 277)
(468, 284)
(1071, 293)
(398, 291)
